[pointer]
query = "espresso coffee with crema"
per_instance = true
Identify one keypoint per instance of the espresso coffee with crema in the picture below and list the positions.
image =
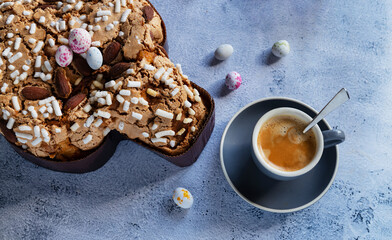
(284, 145)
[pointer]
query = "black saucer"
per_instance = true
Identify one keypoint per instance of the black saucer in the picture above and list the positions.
(256, 188)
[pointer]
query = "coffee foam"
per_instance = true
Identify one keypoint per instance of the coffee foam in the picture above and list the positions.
(293, 127)
(286, 128)
(278, 128)
(296, 136)
(266, 152)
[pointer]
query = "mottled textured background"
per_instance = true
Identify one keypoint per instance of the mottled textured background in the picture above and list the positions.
(334, 44)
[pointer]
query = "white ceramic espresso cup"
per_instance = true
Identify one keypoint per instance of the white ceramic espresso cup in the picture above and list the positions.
(261, 160)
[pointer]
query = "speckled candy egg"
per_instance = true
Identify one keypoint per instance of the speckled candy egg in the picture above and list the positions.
(281, 48)
(64, 56)
(79, 40)
(223, 52)
(233, 80)
(183, 198)
(94, 58)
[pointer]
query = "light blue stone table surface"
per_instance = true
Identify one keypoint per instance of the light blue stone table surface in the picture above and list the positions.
(334, 44)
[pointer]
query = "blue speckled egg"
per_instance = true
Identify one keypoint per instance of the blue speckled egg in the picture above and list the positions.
(94, 58)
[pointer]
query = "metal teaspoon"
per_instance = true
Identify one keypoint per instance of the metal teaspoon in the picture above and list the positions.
(341, 97)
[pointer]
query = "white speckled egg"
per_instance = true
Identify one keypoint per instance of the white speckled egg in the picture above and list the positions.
(183, 198)
(281, 48)
(223, 52)
(94, 58)
(233, 80)
(64, 56)
(79, 40)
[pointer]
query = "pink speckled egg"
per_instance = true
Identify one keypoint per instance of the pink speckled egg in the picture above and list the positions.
(64, 56)
(79, 40)
(233, 80)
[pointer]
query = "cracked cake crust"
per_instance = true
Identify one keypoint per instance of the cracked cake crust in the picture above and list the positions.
(61, 113)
